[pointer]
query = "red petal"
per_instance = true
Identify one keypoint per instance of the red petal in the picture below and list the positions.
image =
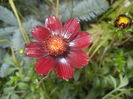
(53, 24)
(77, 58)
(82, 40)
(40, 33)
(64, 70)
(45, 65)
(71, 28)
(35, 50)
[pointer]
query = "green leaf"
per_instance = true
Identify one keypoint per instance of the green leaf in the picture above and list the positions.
(14, 96)
(113, 80)
(76, 75)
(30, 23)
(4, 97)
(84, 10)
(123, 81)
(2, 54)
(17, 41)
(97, 82)
(3, 70)
(23, 85)
(5, 44)
(7, 16)
(7, 90)
(7, 31)
(130, 62)
(8, 59)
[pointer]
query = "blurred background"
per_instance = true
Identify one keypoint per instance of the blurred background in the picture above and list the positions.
(109, 74)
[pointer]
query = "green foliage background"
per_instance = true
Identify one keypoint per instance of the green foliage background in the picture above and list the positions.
(109, 75)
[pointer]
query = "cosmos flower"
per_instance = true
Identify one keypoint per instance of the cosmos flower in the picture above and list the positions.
(123, 22)
(59, 47)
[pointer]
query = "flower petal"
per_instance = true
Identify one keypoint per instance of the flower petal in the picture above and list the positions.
(35, 50)
(70, 28)
(64, 70)
(45, 65)
(82, 40)
(77, 58)
(53, 24)
(40, 33)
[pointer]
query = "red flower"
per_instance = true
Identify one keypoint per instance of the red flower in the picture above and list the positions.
(59, 47)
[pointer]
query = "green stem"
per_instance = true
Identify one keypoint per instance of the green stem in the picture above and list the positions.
(94, 44)
(45, 92)
(4, 40)
(14, 57)
(107, 95)
(127, 90)
(57, 8)
(97, 48)
(23, 32)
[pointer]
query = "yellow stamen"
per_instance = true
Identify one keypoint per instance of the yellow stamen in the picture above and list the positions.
(123, 19)
(21, 51)
(56, 45)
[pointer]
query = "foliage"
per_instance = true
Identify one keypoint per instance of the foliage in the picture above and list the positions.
(109, 73)
(86, 10)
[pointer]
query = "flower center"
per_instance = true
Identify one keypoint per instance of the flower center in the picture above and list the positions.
(124, 20)
(56, 45)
